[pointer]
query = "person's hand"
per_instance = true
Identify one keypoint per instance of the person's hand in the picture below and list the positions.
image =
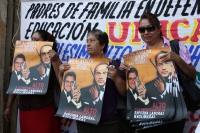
(76, 93)
(41, 70)
(159, 85)
(142, 91)
(124, 66)
(169, 56)
(53, 55)
(25, 73)
(94, 92)
(112, 73)
(7, 114)
(63, 67)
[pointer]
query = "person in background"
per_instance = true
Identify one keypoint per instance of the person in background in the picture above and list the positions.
(151, 34)
(97, 43)
(37, 112)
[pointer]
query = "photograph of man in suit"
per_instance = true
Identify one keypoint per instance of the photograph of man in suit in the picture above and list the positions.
(92, 96)
(41, 71)
(68, 96)
(136, 91)
(160, 87)
(20, 75)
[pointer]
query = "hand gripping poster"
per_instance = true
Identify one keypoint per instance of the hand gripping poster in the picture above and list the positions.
(153, 91)
(31, 68)
(82, 90)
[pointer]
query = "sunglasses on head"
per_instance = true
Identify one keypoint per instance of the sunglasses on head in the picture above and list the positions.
(149, 28)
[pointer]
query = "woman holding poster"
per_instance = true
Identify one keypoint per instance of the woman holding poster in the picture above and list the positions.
(97, 43)
(37, 111)
(151, 34)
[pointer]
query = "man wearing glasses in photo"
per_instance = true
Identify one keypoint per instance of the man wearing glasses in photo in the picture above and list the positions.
(20, 75)
(68, 97)
(136, 92)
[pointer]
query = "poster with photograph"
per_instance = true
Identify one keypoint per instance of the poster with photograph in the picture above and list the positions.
(82, 90)
(31, 68)
(152, 86)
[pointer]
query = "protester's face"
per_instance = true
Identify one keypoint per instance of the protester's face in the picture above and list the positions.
(69, 82)
(45, 54)
(18, 64)
(101, 74)
(132, 80)
(93, 46)
(149, 37)
(36, 37)
(164, 68)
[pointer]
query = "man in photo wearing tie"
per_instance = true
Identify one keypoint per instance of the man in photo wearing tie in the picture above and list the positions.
(160, 88)
(20, 75)
(92, 96)
(70, 93)
(40, 73)
(136, 92)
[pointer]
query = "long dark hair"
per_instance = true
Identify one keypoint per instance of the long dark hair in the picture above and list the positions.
(46, 36)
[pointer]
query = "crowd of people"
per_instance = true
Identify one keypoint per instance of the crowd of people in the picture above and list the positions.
(37, 112)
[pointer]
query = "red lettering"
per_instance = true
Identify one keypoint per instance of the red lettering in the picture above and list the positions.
(164, 27)
(38, 85)
(192, 129)
(124, 33)
(174, 29)
(94, 111)
(159, 105)
(86, 110)
(192, 117)
(163, 105)
(155, 105)
(136, 37)
(195, 38)
(67, 121)
(90, 110)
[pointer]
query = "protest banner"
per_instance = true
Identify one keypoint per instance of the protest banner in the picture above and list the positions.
(69, 21)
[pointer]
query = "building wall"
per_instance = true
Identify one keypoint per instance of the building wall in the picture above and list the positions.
(3, 17)
(9, 25)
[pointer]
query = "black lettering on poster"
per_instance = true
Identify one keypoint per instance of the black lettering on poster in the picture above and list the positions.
(187, 4)
(74, 30)
(166, 14)
(43, 10)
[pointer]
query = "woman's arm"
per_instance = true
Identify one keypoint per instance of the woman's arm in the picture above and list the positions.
(7, 112)
(119, 82)
(121, 86)
(56, 65)
(56, 62)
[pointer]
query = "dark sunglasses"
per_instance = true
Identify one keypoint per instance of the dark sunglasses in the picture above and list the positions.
(149, 28)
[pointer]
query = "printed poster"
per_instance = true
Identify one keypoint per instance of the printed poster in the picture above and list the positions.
(152, 86)
(83, 90)
(31, 68)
